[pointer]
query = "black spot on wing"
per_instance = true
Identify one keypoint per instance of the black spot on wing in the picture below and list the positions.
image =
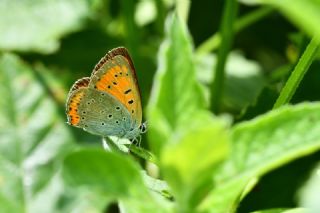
(127, 91)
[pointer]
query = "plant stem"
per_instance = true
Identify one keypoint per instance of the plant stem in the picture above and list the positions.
(132, 32)
(227, 32)
(142, 153)
(161, 13)
(110, 146)
(214, 41)
(297, 74)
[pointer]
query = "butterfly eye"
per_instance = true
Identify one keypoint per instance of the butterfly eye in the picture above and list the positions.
(117, 108)
(143, 127)
(117, 122)
(110, 116)
(102, 124)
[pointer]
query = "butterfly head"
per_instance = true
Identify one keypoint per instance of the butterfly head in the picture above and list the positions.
(143, 127)
(134, 133)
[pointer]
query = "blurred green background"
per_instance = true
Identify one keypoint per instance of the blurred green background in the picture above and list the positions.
(46, 45)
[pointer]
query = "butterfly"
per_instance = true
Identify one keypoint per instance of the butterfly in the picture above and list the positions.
(108, 103)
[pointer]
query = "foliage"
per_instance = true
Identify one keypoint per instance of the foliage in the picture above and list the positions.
(227, 117)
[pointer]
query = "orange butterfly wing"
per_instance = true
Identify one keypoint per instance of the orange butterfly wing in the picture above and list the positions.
(115, 75)
(75, 96)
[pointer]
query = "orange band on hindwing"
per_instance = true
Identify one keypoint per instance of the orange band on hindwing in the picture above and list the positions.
(73, 105)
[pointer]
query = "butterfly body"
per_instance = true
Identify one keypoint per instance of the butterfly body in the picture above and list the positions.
(108, 102)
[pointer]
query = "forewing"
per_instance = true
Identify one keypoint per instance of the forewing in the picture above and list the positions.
(115, 75)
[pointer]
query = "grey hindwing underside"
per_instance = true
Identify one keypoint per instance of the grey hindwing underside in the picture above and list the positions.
(102, 114)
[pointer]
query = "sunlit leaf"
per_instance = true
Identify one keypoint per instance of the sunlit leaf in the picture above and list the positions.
(33, 141)
(309, 194)
(295, 210)
(113, 176)
(261, 145)
(145, 12)
(38, 25)
(191, 156)
(176, 94)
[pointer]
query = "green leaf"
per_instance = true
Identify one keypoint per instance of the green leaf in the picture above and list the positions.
(33, 141)
(38, 25)
(183, 9)
(112, 175)
(261, 145)
(156, 185)
(176, 94)
(145, 12)
(295, 210)
(310, 192)
(191, 156)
